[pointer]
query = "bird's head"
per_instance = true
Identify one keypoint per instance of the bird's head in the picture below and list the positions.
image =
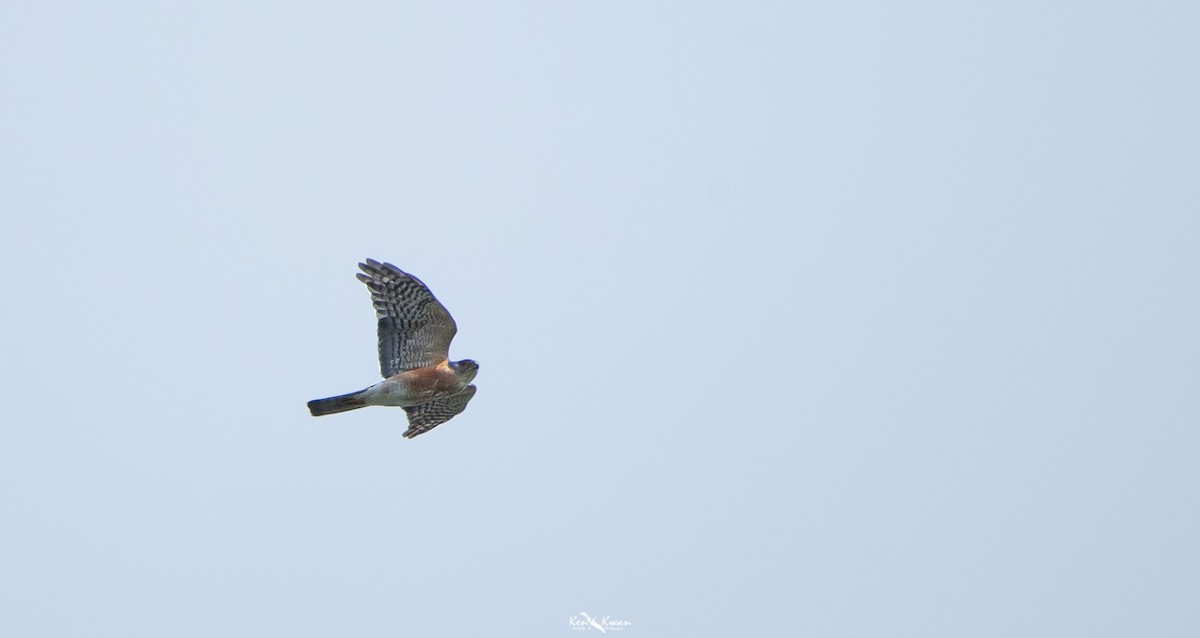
(465, 369)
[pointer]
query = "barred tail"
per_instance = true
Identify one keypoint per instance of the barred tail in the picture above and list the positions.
(333, 405)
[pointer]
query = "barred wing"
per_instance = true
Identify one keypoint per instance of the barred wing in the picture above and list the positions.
(415, 329)
(425, 417)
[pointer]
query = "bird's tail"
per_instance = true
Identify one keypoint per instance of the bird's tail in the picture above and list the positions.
(333, 405)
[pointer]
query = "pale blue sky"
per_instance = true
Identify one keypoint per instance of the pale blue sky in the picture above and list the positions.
(864, 319)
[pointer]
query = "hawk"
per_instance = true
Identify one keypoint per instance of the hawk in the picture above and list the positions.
(415, 330)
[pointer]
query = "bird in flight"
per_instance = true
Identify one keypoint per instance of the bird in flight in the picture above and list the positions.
(415, 330)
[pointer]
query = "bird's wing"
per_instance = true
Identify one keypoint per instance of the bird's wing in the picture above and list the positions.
(423, 418)
(415, 329)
